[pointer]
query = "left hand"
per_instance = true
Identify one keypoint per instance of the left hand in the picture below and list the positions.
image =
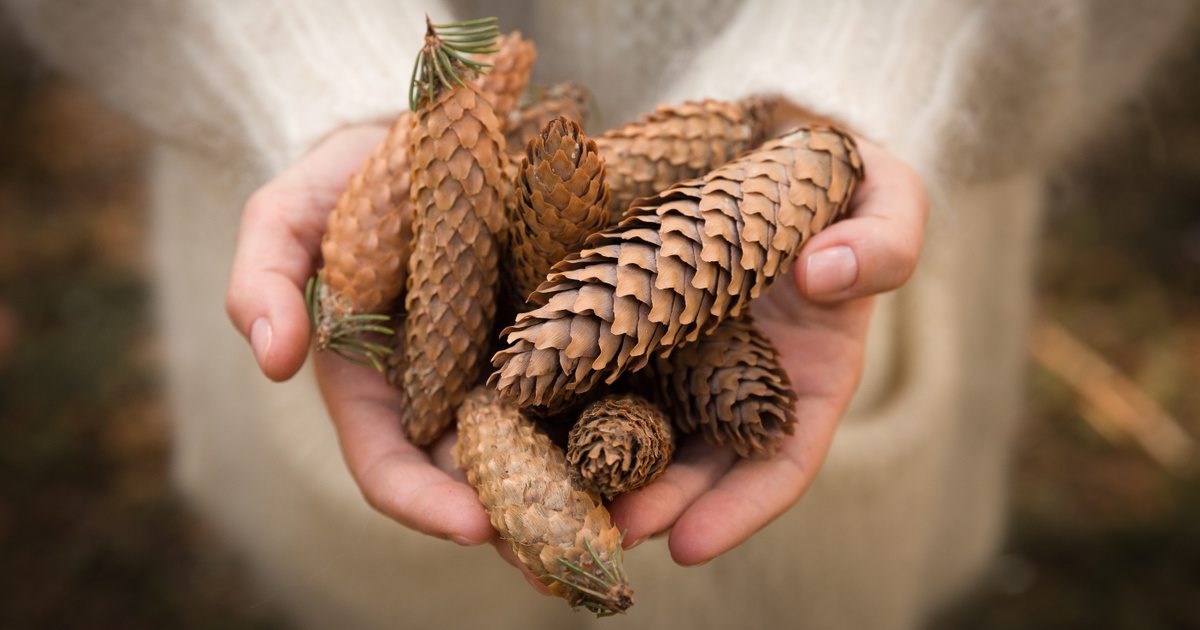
(817, 319)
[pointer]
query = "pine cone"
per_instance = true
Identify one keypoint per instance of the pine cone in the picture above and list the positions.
(677, 142)
(730, 387)
(619, 444)
(676, 267)
(457, 194)
(505, 81)
(560, 200)
(367, 243)
(562, 533)
(568, 100)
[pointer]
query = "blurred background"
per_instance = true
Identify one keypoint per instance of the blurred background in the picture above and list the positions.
(1105, 530)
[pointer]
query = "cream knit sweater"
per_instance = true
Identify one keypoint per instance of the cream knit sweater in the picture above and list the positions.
(981, 97)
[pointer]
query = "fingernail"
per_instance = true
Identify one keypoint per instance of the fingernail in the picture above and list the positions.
(260, 339)
(463, 540)
(636, 543)
(831, 271)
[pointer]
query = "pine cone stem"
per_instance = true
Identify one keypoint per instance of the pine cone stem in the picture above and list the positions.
(676, 267)
(561, 532)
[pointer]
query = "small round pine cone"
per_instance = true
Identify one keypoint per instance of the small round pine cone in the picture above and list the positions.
(620, 443)
(730, 387)
(457, 195)
(560, 199)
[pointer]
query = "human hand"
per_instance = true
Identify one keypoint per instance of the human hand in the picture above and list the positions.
(817, 318)
(278, 246)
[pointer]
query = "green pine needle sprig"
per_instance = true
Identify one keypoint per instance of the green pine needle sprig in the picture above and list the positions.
(445, 59)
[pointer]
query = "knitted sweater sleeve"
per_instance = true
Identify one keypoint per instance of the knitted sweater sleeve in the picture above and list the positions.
(963, 90)
(257, 80)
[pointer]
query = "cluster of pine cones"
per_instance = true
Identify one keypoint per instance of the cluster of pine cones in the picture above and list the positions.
(607, 278)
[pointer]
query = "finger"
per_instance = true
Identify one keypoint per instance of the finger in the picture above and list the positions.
(395, 477)
(442, 454)
(505, 550)
(751, 495)
(877, 248)
(278, 243)
(652, 509)
(276, 249)
(754, 492)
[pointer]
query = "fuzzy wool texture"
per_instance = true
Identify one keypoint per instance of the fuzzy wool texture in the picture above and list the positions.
(982, 98)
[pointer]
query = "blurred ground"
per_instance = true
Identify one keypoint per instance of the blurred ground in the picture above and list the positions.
(91, 535)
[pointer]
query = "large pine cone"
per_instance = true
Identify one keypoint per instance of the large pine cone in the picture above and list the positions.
(561, 532)
(681, 263)
(367, 242)
(457, 195)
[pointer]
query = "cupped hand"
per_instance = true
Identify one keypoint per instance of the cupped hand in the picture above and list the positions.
(708, 499)
(278, 247)
(817, 318)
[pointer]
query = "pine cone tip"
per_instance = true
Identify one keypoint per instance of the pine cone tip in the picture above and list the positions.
(605, 592)
(338, 329)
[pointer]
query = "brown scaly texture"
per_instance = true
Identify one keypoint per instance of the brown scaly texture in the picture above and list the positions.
(458, 164)
(620, 443)
(560, 200)
(730, 387)
(367, 242)
(676, 267)
(678, 142)
(568, 100)
(506, 79)
(561, 532)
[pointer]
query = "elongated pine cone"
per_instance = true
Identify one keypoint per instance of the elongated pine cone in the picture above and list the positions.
(508, 75)
(676, 267)
(620, 443)
(457, 195)
(367, 242)
(729, 386)
(561, 532)
(678, 142)
(560, 200)
(568, 100)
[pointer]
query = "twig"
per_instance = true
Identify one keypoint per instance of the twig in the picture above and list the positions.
(1113, 404)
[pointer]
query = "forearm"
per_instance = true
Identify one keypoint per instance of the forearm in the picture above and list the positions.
(261, 80)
